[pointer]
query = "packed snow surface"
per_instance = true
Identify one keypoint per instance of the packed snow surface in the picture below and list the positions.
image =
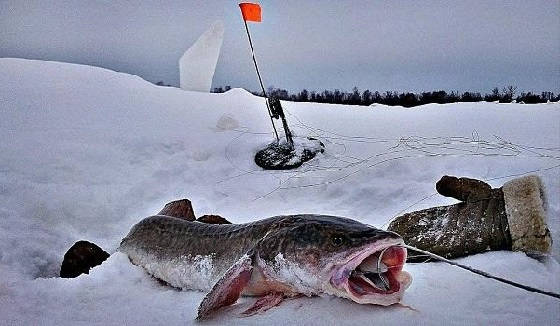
(86, 152)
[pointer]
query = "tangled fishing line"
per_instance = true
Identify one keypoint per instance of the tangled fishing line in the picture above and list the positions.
(342, 165)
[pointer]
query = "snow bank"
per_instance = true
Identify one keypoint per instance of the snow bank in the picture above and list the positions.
(87, 152)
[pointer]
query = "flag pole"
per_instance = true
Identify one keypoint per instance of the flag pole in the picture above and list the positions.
(260, 80)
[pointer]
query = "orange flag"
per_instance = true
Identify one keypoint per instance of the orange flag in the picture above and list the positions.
(251, 11)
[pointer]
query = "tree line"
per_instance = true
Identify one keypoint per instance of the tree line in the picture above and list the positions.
(406, 99)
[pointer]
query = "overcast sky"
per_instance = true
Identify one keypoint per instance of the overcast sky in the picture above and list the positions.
(314, 44)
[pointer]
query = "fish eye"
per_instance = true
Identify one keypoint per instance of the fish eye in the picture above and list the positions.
(337, 240)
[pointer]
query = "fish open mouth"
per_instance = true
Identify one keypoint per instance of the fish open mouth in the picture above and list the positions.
(374, 275)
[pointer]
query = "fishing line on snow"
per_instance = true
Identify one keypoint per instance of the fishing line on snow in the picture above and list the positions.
(482, 273)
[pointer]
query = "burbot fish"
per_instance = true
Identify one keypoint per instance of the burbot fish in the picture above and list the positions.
(274, 258)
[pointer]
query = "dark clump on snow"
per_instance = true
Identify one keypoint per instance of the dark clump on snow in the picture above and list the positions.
(80, 258)
(282, 156)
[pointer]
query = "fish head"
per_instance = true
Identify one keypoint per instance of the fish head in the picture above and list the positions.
(346, 258)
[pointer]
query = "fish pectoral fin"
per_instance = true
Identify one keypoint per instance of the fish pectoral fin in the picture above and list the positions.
(228, 289)
(264, 303)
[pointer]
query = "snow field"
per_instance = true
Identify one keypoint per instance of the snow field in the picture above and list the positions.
(86, 152)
